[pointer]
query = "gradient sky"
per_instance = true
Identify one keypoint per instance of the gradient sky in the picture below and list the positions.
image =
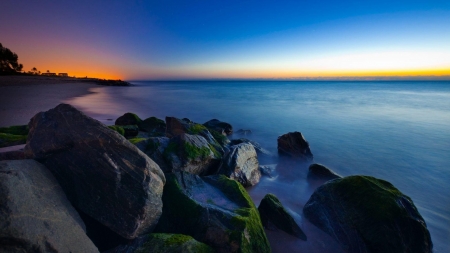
(229, 39)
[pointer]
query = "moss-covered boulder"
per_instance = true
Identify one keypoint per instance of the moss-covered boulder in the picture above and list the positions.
(118, 129)
(214, 210)
(318, 171)
(272, 212)
(154, 126)
(241, 164)
(294, 145)
(163, 243)
(191, 153)
(128, 119)
(365, 214)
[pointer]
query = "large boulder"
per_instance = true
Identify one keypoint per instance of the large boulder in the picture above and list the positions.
(35, 215)
(128, 119)
(191, 153)
(272, 212)
(154, 148)
(219, 126)
(365, 214)
(241, 164)
(293, 144)
(102, 173)
(163, 243)
(214, 210)
(319, 171)
(154, 126)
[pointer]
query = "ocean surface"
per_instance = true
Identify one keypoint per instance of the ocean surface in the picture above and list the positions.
(396, 131)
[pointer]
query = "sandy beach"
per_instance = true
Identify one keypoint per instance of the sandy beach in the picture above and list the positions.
(21, 97)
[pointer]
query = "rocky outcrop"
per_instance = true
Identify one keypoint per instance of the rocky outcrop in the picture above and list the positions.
(259, 149)
(191, 153)
(365, 214)
(101, 172)
(154, 148)
(219, 126)
(128, 119)
(241, 164)
(214, 210)
(154, 126)
(163, 243)
(319, 171)
(273, 213)
(35, 215)
(294, 145)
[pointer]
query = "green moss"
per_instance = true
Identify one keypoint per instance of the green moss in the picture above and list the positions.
(214, 150)
(220, 138)
(7, 140)
(193, 152)
(134, 117)
(233, 190)
(162, 243)
(136, 140)
(196, 129)
(118, 129)
(15, 130)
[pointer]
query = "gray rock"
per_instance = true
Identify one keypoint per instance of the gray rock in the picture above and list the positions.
(101, 172)
(269, 170)
(259, 149)
(319, 171)
(241, 164)
(294, 145)
(154, 148)
(35, 215)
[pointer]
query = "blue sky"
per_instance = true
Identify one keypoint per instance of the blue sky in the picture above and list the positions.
(229, 39)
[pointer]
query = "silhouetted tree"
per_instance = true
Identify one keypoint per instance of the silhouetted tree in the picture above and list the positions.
(34, 71)
(8, 61)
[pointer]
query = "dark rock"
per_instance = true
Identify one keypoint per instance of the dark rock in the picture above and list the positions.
(219, 126)
(7, 140)
(128, 119)
(102, 173)
(154, 126)
(118, 129)
(269, 170)
(319, 171)
(154, 148)
(241, 164)
(272, 212)
(214, 210)
(35, 215)
(175, 126)
(12, 155)
(294, 145)
(259, 149)
(191, 153)
(365, 214)
(163, 243)
(130, 131)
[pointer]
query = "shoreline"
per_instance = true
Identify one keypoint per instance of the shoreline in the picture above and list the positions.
(21, 97)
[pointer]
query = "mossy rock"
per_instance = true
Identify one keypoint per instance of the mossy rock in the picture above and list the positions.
(214, 210)
(15, 130)
(319, 171)
(366, 214)
(118, 129)
(7, 140)
(273, 212)
(154, 126)
(128, 119)
(136, 140)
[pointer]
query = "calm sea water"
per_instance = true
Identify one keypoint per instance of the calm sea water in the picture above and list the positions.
(396, 131)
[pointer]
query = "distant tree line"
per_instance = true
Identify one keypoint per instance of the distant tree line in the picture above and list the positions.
(9, 62)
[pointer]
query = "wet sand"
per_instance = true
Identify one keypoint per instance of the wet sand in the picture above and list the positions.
(21, 97)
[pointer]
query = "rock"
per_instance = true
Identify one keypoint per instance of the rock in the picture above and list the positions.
(154, 148)
(214, 210)
(7, 140)
(294, 145)
(259, 149)
(102, 173)
(163, 243)
(118, 129)
(319, 171)
(269, 170)
(219, 126)
(130, 131)
(154, 126)
(365, 214)
(191, 153)
(128, 119)
(241, 164)
(175, 126)
(35, 215)
(272, 212)
(12, 155)
(244, 131)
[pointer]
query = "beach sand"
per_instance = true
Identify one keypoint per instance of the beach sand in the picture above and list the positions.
(21, 97)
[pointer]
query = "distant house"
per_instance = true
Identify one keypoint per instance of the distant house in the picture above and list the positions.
(63, 74)
(48, 74)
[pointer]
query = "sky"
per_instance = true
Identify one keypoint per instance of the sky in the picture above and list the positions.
(176, 40)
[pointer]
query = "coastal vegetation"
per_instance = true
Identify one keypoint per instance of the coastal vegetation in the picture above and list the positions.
(9, 61)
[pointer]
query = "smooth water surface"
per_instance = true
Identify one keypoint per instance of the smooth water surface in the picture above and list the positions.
(396, 131)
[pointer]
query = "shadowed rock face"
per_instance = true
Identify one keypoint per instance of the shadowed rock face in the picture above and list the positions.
(154, 148)
(272, 212)
(128, 119)
(318, 171)
(35, 215)
(294, 145)
(241, 164)
(102, 173)
(214, 210)
(365, 214)
(219, 126)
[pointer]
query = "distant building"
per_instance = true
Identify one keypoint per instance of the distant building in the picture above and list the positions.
(48, 74)
(63, 74)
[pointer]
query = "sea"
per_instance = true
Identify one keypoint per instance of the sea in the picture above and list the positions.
(398, 131)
